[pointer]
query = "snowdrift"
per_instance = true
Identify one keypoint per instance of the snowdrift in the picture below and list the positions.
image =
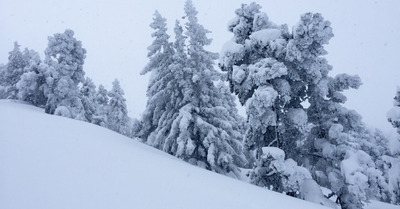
(51, 162)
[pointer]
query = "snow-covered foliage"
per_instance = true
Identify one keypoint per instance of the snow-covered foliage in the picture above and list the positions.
(274, 172)
(160, 90)
(2, 88)
(32, 86)
(87, 96)
(65, 55)
(117, 112)
(188, 115)
(101, 100)
(392, 160)
(274, 72)
(255, 61)
(11, 73)
(392, 170)
(393, 114)
(58, 84)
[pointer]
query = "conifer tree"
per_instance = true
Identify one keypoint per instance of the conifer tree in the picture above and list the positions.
(276, 72)
(159, 90)
(117, 113)
(101, 100)
(87, 96)
(65, 56)
(185, 115)
(394, 114)
(391, 160)
(12, 72)
(202, 128)
(32, 86)
(255, 63)
(2, 88)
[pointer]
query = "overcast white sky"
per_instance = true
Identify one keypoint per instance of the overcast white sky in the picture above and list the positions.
(116, 34)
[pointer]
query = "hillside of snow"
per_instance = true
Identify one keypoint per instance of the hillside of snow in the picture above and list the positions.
(51, 162)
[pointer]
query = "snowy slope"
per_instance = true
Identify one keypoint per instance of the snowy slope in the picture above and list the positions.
(51, 162)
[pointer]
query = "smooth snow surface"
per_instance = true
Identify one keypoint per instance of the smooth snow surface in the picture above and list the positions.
(380, 205)
(51, 162)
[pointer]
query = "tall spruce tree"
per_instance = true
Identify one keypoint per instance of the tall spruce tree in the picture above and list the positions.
(186, 115)
(159, 90)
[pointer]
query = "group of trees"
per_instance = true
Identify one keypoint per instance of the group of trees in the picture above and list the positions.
(58, 84)
(297, 135)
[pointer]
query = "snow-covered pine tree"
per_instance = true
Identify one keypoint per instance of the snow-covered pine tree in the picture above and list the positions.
(101, 100)
(255, 62)
(186, 114)
(394, 114)
(391, 161)
(88, 97)
(2, 88)
(155, 123)
(65, 55)
(117, 113)
(32, 86)
(176, 88)
(337, 150)
(202, 132)
(333, 150)
(12, 72)
(276, 72)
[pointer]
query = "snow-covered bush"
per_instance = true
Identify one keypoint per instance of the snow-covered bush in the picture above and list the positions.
(272, 171)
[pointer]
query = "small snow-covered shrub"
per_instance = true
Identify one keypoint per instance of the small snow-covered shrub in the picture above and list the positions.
(275, 173)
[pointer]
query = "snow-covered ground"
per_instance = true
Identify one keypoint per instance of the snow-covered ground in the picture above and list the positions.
(51, 162)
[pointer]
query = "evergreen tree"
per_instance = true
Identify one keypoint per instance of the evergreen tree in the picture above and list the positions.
(186, 115)
(2, 88)
(32, 86)
(87, 96)
(394, 114)
(201, 132)
(101, 100)
(117, 113)
(159, 90)
(276, 72)
(257, 72)
(12, 72)
(391, 161)
(65, 56)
